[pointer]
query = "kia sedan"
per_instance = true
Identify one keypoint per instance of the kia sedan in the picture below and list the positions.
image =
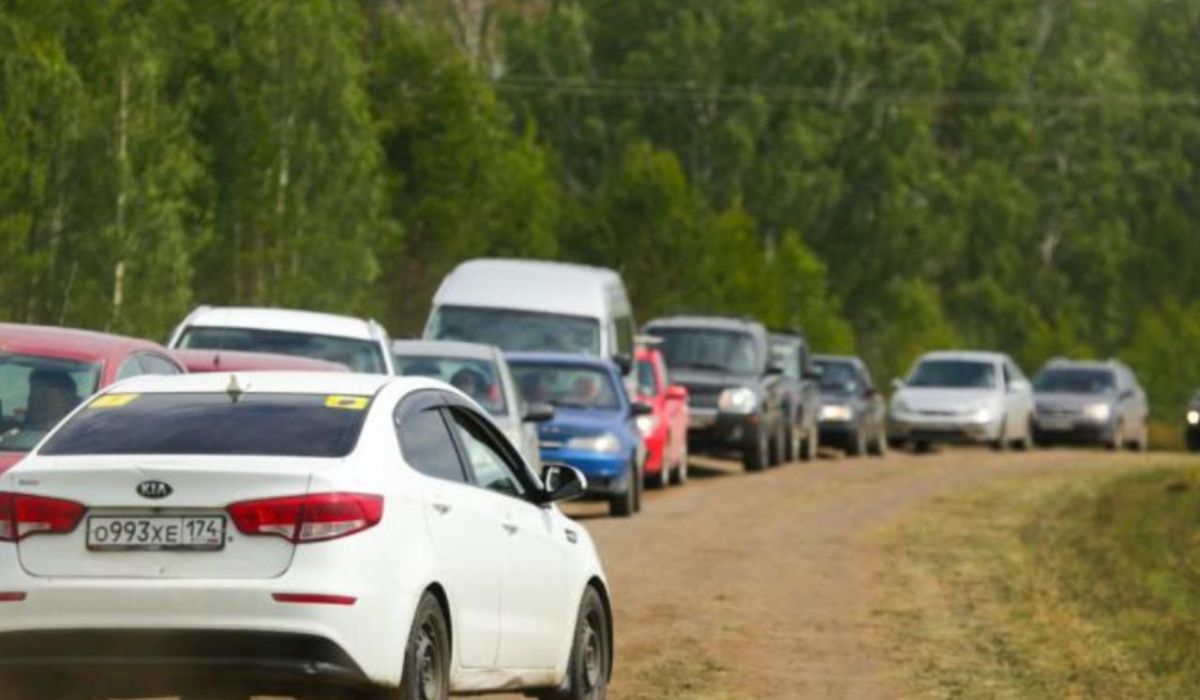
(294, 533)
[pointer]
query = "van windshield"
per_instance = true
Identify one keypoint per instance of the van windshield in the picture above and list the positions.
(516, 331)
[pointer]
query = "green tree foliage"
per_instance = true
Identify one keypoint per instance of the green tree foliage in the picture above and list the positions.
(891, 177)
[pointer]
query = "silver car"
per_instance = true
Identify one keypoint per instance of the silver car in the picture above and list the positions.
(963, 397)
(481, 372)
(1090, 403)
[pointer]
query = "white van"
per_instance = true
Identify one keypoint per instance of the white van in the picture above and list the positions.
(531, 305)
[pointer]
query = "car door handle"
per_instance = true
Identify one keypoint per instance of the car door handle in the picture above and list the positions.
(441, 508)
(511, 528)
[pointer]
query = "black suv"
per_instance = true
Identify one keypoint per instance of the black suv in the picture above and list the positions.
(737, 399)
(802, 395)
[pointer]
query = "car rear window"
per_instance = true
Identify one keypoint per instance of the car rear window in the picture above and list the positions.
(284, 425)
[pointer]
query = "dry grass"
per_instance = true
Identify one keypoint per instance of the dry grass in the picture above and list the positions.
(1021, 590)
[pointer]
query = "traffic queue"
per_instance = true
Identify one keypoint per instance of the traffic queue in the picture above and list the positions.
(291, 499)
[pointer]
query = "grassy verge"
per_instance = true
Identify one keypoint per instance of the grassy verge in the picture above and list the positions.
(1053, 587)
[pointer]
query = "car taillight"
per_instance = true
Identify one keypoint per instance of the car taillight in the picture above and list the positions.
(311, 518)
(22, 515)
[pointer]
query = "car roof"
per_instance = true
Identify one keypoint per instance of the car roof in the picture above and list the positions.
(730, 323)
(965, 355)
(1063, 363)
(290, 320)
(851, 359)
(69, 343)
(444, 348)
(558, 358)
(267, 382)
(230, 361)
(534, 285)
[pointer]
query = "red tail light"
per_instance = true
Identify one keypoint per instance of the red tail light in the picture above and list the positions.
(22, 515)
(311, 518)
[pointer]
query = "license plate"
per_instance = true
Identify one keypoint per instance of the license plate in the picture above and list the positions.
(1055, 424)
(156, 533)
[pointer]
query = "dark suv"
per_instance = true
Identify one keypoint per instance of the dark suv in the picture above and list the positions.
(736, 398)
(789, 353)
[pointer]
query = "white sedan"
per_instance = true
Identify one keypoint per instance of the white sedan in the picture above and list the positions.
(294, 533)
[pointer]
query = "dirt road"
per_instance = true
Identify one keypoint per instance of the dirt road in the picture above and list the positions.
(759, 586)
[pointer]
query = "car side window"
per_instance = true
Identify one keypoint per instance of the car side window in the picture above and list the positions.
(131, 367)
(153, 364)
(427, 446)
(487, 463)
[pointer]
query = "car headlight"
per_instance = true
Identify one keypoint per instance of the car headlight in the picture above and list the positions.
(836, 412)
(1097, 411)
(739, 400)
(607, 443)
(981, 414)
(647, 424)
(1193, 417)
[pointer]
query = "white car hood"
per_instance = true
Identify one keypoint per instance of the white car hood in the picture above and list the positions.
(934, 400)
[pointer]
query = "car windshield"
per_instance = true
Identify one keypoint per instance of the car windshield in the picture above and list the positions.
(359, 355)
(707, 349)
(283, 425)
(476, 378)
(785, 354)
(645, 378)
(837, 375)
(566, 386)
(516, 331)
(954, 374)
(1074, 381)
(36, 393)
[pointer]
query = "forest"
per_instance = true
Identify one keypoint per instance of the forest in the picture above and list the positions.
(892, 176)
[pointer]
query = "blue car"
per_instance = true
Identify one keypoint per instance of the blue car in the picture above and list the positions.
(594, 427)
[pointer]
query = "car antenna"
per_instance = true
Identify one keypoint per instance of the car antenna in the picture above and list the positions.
(234, 389)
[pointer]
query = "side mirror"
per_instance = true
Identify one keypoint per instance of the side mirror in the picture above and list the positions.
(897, 383)
(813, 373)
(637, 408)
(562, 483)
(869, 392)
(623, 363)
(774, 371)
(538, 413)
(676, 392)
(1127, 394)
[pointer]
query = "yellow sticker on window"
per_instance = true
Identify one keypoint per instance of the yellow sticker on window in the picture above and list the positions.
(349, 403)
(112, 400)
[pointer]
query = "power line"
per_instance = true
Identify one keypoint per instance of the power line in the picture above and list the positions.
(689, 90)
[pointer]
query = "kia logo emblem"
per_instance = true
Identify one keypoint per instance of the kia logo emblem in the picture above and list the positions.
(154, 489)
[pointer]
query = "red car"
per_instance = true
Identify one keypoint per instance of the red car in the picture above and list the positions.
(665, 428)
(233, 361)
(45, 372)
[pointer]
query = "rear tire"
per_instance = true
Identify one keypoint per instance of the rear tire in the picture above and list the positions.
(590, 666)
(426, 674)
(754, 454)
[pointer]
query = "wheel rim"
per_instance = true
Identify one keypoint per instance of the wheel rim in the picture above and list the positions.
(593, 658)
(429, 663)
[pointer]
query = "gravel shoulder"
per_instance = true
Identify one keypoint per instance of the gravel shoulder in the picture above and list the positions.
(763, 585)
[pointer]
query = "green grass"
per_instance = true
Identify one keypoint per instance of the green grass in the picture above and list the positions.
(1080, 585)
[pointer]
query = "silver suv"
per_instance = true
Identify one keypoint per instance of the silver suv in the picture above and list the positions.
(1090, 403)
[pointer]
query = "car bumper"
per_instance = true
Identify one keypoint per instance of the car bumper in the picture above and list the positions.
(164, 661)
(607, 474)
(349, 646)
(1075, 431)
(835, 433)
(709, 429)
(942, 430)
